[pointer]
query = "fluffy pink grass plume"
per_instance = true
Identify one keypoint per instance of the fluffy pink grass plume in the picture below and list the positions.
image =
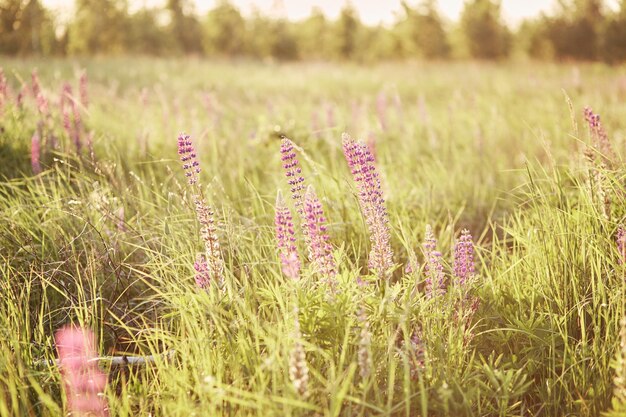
(286, 239)
(316, 236)
(35, 150)
(434, 266)
(599, 137)
(293, 172)
(361, 162)
(464, 258)
(84, 382)
(42, 102)
(206, 216)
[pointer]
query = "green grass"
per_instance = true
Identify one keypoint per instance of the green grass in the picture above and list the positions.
(109, 243)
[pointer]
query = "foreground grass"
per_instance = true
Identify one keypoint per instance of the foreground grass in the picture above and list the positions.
(109, 242)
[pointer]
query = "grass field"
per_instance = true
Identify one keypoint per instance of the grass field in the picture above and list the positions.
(106, 238)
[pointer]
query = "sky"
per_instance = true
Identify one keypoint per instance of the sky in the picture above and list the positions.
(371, 12)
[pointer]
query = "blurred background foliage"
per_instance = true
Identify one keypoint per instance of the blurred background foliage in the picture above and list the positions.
(585, 30)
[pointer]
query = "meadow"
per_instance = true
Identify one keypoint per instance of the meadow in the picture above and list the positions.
(285, 269)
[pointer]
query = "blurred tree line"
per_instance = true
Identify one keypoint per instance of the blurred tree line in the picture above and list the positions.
(579, 30)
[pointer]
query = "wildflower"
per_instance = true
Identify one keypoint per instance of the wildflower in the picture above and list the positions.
(621, 244)
(293, 173)
(464, 258)
(316, 236)
(42, 102)
(416, 354)
(203, 276)
(35, 150)
(83, 380)
(298, 368)
(286, 239)
(205, 213)
(434, 266)
(365, 342)
(361, 163)
(599, 137)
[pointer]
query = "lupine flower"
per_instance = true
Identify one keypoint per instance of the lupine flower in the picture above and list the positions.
(464, 258)
(293, 173)
(619, 389)
(595, 182)
(316, 236)
(82, 86)
(286, 239)
(621, 244)
(42, 102)
(599, 137)
(365, 342)
(298, 368)
(188, 158)
(330, 115)
(35, 150)
(205, 213)
(84, 382)
(434, 266)
(361, 163)
(203, 276)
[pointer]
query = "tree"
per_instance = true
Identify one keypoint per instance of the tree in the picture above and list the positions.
(26, 28)
(346, 33)
(225, 30)
(421, 31)
(575, 31)
(313, 36)
(614, 47)
(146, 36)
(184, 28)
(485, 34)
(99, 26)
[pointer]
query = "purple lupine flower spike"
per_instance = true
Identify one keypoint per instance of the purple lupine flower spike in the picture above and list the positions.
(206, 216)
(434, 266)
(599, 136)
(286, 239)
(203, 275)
(42, 102)
(361, 162)
(317, 239)
(66, 97)
(293, 173)
(188, 158)
(464, 258)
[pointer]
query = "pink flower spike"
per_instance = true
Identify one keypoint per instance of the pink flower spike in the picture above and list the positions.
(464, 258)
(361, 163)
(84, 382)
(434, 267)
(317, 239)
(286, 239)
(293, 172)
